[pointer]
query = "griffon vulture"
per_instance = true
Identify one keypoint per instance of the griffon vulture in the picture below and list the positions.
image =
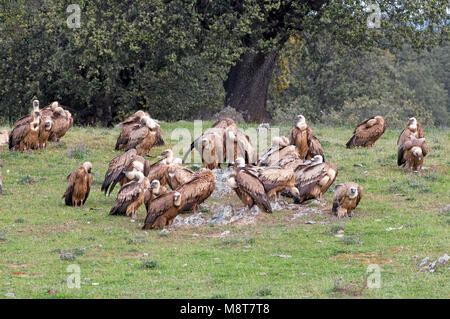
(155, 191)
(411, 153)
(248, 186)
(367, 132)
(158, 169)
(45, 130)
(345, 199)
(24, 134)
(303, 138)
(142, 136)
(131, 195)
(276, 179)
(177, 174)
(162, 210)
(119, 165)
(221, 143)
(313, 180)
(78, 185)
(412, 128)
(196, 190)
(62, 121)
(130, 124)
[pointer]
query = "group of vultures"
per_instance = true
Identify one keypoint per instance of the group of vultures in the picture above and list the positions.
(292, 167)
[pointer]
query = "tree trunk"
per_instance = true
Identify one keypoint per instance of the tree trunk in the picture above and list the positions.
(247, 85)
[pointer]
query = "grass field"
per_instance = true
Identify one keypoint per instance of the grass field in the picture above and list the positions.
(36, 227)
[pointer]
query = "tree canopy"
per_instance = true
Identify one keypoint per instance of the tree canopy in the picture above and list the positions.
(178, 59)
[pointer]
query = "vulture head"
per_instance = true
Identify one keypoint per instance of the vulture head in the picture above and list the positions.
(139, 166)
(352, 192)
(412, 123)
(239, 162)
(278, 141)
(68, 114)
(36, 107)
(87, 166)
(300, 121)
(207, 143)
(54, 105)
(177, 161)
(140, 114)
(168, 155)
(177, 199)
(155, 186)
(379, 119)
(59, 111)
(48, 124)
(147, 121)
(417, 152)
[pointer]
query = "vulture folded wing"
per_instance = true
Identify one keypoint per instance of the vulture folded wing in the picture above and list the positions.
(126, 195)
(274, 177)
(158, 207)
(136, 137)
(339, 194)
(314, 146)
(250, 184)
(71, 178)
(308, 177)
(88, 187)
(18, 134)
(115, 170)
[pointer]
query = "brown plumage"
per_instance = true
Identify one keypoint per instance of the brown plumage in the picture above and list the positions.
(276, 179)
(345, 199)
(196, 190)
(290, 161)
(24, 135)
(62, 121)
(45, 129)
(412, 128)
(223, 143)
(272, 154)
(177, 174)
(248, 186)
(314, 180)
(367, 132)
(303, 138)
(162, 210)
(412, 153)
(79, 185)
(121, 164)
(155, 191)
(131, 195)
(158, 169)
(131, 124)
(142, 137)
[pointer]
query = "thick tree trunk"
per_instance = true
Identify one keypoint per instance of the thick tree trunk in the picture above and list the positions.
(247, 85)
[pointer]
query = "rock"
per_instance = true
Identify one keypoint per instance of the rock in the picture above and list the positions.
(191, 220)
(227, 232)
(310, 222)
(394, 228)
(358, 165)
(446, 208)
(164, 232)
(220, 178)
(284, 256)
(306, 212)
(339, 235)
(222, 215)
(423, 262)
(276, 206)
(10, 295)
(230, 113)
(66, 256)
(441, 261)
(51, 291)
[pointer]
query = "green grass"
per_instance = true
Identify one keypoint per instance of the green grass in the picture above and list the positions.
(40, 237)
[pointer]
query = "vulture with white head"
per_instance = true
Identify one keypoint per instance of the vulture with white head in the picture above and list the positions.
(303, 138)
(79, 185)
(162, 210)
(176, 174)
(121, 164)
(196, 190)
(345, 199)
(412, 128)
(411, 153)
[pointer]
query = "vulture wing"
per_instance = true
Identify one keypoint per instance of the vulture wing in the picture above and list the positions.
(158, 207)
(314, 146)
(17, 134)
(250, 184)
(115, 170)
(274, 177)
(136, 137)
(126, 195)
(71, 178)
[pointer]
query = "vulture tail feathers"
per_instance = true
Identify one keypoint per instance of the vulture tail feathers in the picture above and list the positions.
(351, 142)
(188, 152)
(159, 141)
